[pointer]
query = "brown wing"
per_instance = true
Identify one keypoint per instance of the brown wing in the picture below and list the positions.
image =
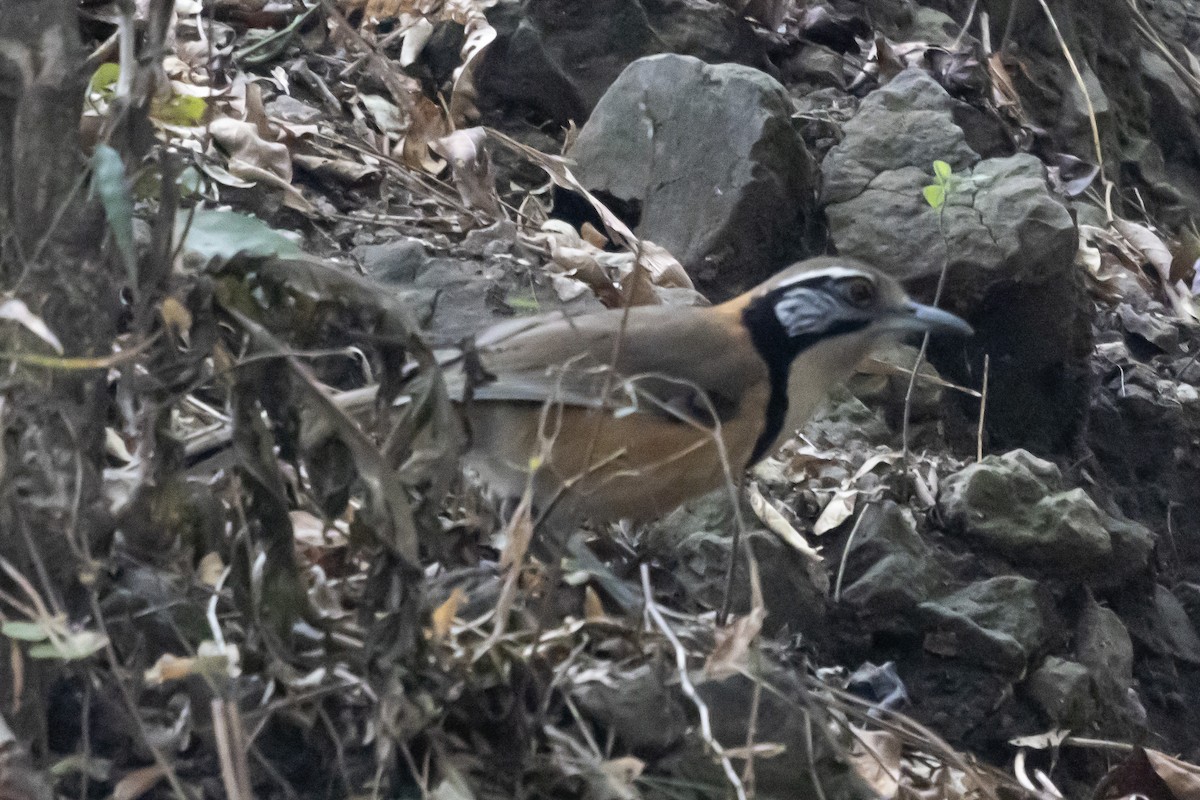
(668, 362)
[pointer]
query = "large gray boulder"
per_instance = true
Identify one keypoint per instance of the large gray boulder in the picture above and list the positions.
(1009, 244)
(998, 623)
(560, 56)
(891, 570)
(1016, 504)
(710, 156)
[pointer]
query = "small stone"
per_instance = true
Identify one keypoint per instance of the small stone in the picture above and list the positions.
(1061, 690)
(997, 623)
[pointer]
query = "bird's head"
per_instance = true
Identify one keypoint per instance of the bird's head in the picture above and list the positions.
(824, 300)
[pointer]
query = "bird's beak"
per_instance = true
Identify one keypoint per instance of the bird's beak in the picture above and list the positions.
(927, 319)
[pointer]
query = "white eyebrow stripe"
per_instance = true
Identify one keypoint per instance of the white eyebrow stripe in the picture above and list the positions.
(824, 272)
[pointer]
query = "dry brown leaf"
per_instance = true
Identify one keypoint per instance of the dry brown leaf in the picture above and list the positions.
(731, 652)
(138, 782)
(1136, 775)
(308, 530)
(1182, 778)
(890, 60)
(15, 310)
(568, 288)
(757, 750)
(778, 524)
(415, 40)
(664, 268)
(876, 759)
(426, 124)
(1156, 252)
(210, 569)
(479, 34)
(444, 615)
(169, 668)
(338, 170)
(1041, 741)
(593, 609)
(592, 236)
(471, 167)
(637, 288)
(839, 509)
(1004, 92)
(177, 318)
(292, 198)
(622, 773)
(519, 533)
(241, 142)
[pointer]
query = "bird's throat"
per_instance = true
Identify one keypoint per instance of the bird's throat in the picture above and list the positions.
(802, 369)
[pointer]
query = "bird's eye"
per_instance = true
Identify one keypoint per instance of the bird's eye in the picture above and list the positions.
(860, 292)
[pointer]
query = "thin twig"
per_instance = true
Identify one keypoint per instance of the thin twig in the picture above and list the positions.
(1087, 98)
(689, 690)
(114, 665)
(987, 360)
(966, 26)
(837, 584)
(937, 297)
(748, 776)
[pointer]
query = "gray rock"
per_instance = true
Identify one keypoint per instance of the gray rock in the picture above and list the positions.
(996, 217)
(793, 588)
(696, 538)
(1007, 242)
(1061, 690)
(932, 26)
(1161, 624)
(803, 729)
(908, 123)
(1172, 163)
(892, 569)
(1102, 644)
(1016, 504)
(1154, 328)
(560, 56)
(289, 109)
(638, 706)
(889, 391)
(998, 623)
(1189, 596)
(845, 422)
(398, 261)
(710, 156)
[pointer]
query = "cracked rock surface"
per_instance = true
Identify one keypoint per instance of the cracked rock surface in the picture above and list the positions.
(1007, 243)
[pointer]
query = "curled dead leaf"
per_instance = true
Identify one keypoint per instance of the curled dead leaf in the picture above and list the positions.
(443, 616)
(466, 152)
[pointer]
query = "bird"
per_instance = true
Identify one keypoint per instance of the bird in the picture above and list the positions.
(625, 414)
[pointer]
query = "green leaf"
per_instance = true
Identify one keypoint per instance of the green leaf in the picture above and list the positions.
(526, 304)
(108, 181)
(104, 79)
(73, 647)
(190, 182)
(942, 170)
(24, 631)
(935, 195)
(224, 234)
(180, 109)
